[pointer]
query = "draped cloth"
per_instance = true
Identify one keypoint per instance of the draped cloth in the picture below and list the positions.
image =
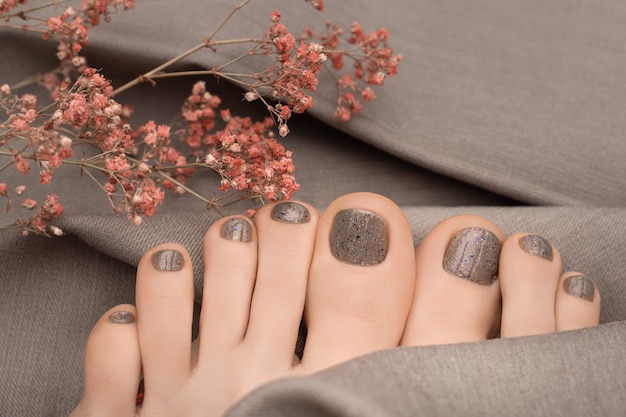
(513, 110)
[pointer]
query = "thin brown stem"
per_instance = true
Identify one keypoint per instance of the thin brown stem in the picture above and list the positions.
(224, 75)
(183, 186)
(34, 9)
(207, 42)
(5, 166)
(24, 28)
(99, 185)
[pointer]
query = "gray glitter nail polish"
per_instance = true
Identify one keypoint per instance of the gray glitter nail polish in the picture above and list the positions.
(122, 317)
(167, 260)
(473, 254)
(290, 213)
(237, 229)
(536, 245)
(359, 237)
(579, 286)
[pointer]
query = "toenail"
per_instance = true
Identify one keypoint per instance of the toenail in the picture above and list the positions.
(122, 317)
(237, 229)
(579, 286)
(167, 260)
(359, 237)
(290, 213)
(473, 254)
(536, 245)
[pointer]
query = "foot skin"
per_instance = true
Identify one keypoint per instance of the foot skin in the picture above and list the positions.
(460, 298)
(354, 266)
(536, 297)
(354, 274)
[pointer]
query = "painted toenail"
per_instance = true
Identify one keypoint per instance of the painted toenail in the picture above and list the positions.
(536, 245)
(290, 213)
(237, 229)
(473, 254)
(579, 286)
(167, 260)
(359, 237)
(122, 317)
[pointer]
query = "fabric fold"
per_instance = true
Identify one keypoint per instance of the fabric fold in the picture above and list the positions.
(562, 374)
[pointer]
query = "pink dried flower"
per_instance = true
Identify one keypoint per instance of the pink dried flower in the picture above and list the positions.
(373, 61)
(95, 9)
(140, 164)
(21, 165)
(6, 5)
(51, 208)
(368, 94)
(56, 231)
(29, 204)
(317, 4)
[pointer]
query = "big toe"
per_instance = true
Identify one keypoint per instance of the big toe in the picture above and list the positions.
(457, 293)
(360, 282)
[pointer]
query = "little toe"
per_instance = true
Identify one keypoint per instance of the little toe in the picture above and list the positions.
(457, 293)
(230, 262)
(112, 366)
(577, 302)
(164, 298)
(361, 280)
(286, 238)
(529, 274)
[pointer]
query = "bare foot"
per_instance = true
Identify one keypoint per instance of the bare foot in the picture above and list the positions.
(354, 274)
(468, 272)
(354, 266)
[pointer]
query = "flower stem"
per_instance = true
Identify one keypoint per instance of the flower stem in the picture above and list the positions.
(183, 186)
(22, 13)
(206, 43)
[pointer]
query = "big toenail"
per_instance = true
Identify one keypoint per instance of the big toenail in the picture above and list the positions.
(290, 213)
(579, 286)
(359, 237)
(122, 317)
(473, 254)
(536, 245)
(167, 260)
(237, 229)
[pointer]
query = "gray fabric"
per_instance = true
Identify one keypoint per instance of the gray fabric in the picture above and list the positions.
(497, 104)
(504, 377)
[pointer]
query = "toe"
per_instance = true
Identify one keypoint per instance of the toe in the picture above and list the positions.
(457, 293)
(112, 366)
(230, 262)
(529, 274)
(165, 310)
(577, 302)
(286, 233)
(361, 280)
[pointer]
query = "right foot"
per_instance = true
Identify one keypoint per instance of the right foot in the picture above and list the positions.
(355, 267)
(458, 296)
